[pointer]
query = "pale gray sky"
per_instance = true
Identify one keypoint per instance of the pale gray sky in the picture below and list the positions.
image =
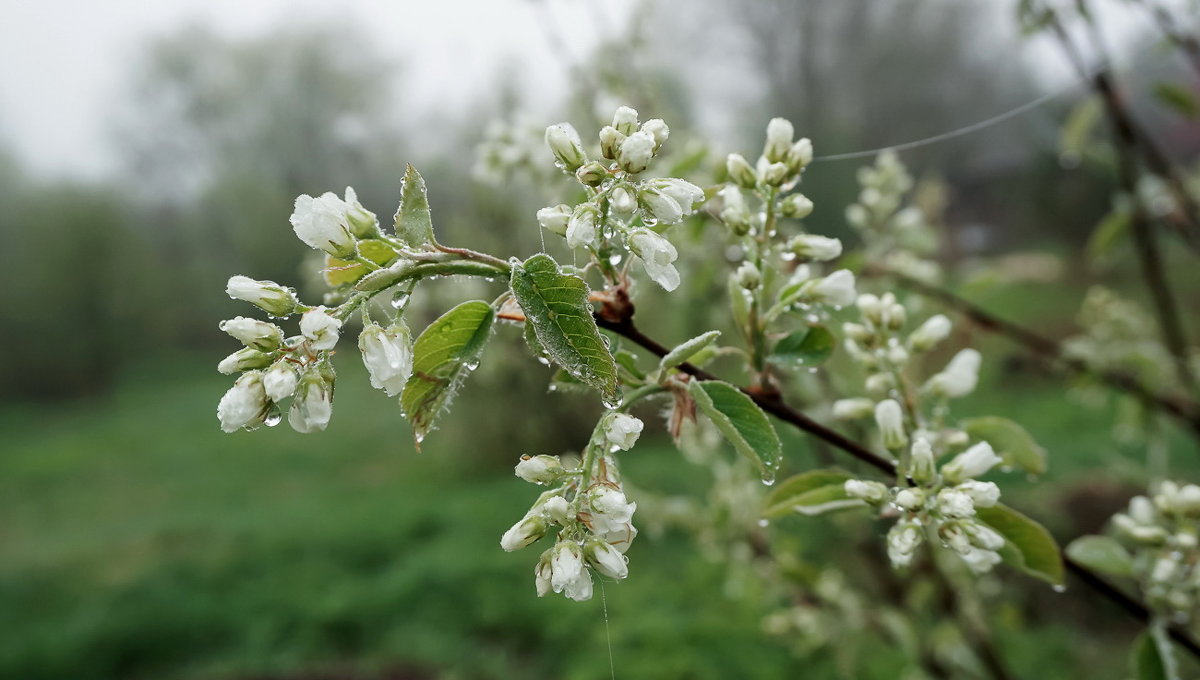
(63, 62)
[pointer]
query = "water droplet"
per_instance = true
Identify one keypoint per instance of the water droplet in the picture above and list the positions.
(400, 299)
(763, 523)
(544, 360)
(471, 365)
(612, 403)
(553, 387)
(768, 477)
(419, 436)
(1060, 588)
(614, 448)
(273, 418)
(614, 260)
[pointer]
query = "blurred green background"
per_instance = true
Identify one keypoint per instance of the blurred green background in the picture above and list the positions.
(138, 541)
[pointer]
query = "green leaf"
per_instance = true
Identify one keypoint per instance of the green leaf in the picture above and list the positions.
(443, 356)
(628, 361)
(741, 421)
(1101, 553)
(811, 493)
(1034, 550)
(808, 347)
(1177, 98)
(1153, 657)
(414, 225)
(1108, 234)
(340, 272)
(1010, 441)
(740, 301)
(686, 350)
(556, 304)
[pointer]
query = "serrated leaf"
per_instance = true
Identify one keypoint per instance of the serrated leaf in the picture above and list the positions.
(808, 347)
(414, 224)
(1179, 99)
(443, 356)
(556, 305)
(809, 490)
(1101, 553)
(1010, 441)
(686, 350)
(741, 421)
(340, 272)
(1031, 543)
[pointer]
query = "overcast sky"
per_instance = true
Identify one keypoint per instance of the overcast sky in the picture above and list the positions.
(63, 62)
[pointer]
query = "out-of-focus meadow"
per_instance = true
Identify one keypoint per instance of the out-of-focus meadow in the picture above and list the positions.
(138, 541)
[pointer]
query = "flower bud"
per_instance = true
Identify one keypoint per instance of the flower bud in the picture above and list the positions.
(543, 469)
(320, 328)
(836, 290)
(556, 507)
(245, 404)
(280, 380)
(747, 276)
(528, 530)
(980, 561)
(542, 573)
(591, 174)
(664, 208)
(853, 409)
(797, 206)
(775, 174)
(871, 492)
(606, 559)
(891, 424)
(902, 542)
(935, 329)
(322, 223)
(313, 405)
(581, 227)
(880, 384)
(779, 139)
(622, 430)
(735, 213)
(636, 152)
(959, 377)
(623, 201)
(740, 171)
(566, 146)
(922, 466)
(983, 536)
(566, 564)
(813, 247)
(625, 120)
(253, 333)
(658, 130)
(362, 222)
(611, 502)
(956, 504)
(268, 296)
(983, 494)
(971, 463)
(610, 142)
(800, 154)
(911, 499)
(388, 356)
(657, 255)
(686, 194)
(244, 359)
(554, 218)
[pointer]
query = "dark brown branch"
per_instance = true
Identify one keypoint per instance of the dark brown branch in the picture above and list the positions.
(624, 327)
(1183, 410)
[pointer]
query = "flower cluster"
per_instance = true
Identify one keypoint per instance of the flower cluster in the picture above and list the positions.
(275, 368)
(589, 508)
(1162, 533)
(776, 172)
(896, 236)
(621, 210)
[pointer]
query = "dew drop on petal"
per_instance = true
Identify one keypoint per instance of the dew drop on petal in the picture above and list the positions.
(273, 419)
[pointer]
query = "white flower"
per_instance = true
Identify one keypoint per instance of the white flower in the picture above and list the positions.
(971, 463)
(625, 120)
(322, 223)
(922, 467)
(955, 503)
(871, 492)
(243, 360)
(606, 559)
(1138, 532)
(980, 561)
(797, 206)
(747, 275)
(774, 174)
(734, 213)
(813, 247)
(983, 494)
(911, 499)
(622, 201)
(387, 354)
(959, 377)
(320, 328)
(554, 218)
(983, 536)
(528, 530)
(636, 151)
(740, 171)
(610, 141)
(581, 227)
(244, 404)
(935, 329)
(902, 541)
(853, 409)
(280, 381)
(1141, 509)
(664, 208)
(581, 588)
(556, 508)
(253, 333)
(686, 194)
(542, 573)
(657, 129)
(619, 536)
(611, 504)
(622, 430)
(541, 469)
(779, 139)
(657, 254)
(800, 154)
(1183, 500)
(836, 290)
(891, 423)
(269, 296)
(566, 564)
(363, 223)
(313, 405)
(566, 146)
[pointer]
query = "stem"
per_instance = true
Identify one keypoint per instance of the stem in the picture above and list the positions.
(467, 253)
(778, 408)
(366, 263)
